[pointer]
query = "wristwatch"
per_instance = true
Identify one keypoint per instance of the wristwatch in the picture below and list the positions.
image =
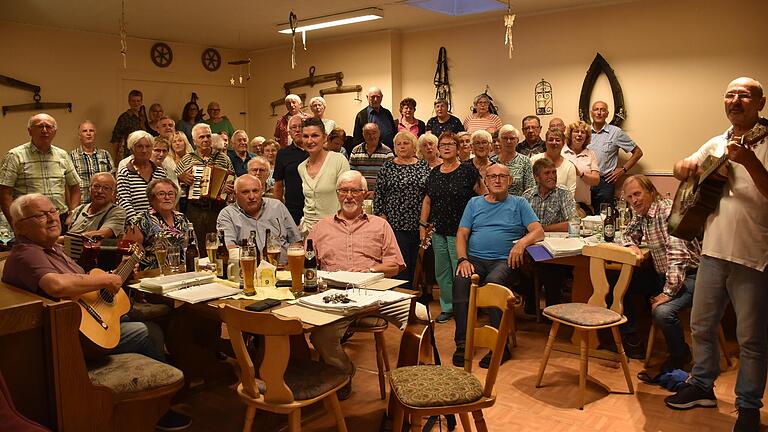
(461, 260)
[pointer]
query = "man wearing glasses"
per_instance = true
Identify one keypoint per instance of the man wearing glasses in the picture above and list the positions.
(39, 167)
(260, 168)
(493, 233)
(101, 217)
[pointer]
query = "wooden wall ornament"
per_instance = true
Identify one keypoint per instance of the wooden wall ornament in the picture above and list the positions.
(543, 98)
(161, 54)
(36, 105)
(211, 60)
(599, 64)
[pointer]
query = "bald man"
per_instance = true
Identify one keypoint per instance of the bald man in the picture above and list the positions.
(377, 114)
(733, 260)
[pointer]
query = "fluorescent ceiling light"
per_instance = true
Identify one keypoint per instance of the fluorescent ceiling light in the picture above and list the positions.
(334, 20)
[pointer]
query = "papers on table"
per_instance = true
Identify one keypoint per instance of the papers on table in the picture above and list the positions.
(349, 279)
(561, 247)
(359, 299)
(307, 315)
(166, 284)
(201, 293)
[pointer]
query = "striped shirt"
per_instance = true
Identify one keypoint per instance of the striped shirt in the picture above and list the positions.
(89, 164)
(132, 189)
(672, 256)
(473, 122)
(554, 208)
(369, 165)
(27, 170)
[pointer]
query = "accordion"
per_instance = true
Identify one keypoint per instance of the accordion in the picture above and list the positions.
(209, 182)
(92, 253)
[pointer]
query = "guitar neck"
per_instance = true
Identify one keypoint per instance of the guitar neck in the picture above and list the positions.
(126, 267)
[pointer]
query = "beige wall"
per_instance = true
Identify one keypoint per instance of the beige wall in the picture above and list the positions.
(672, 58)
(87, 70)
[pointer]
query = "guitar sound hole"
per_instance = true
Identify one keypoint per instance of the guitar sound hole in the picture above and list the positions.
(106, 296)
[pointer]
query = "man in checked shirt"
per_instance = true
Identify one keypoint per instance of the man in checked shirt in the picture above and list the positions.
(674, 260)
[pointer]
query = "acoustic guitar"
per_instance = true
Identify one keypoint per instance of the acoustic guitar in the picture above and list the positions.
(101, 310)
(700, 194)
(418, 270)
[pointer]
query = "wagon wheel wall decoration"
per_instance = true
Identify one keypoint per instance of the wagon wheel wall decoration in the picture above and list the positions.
(161, 54)
(211, 60)
(599, 64)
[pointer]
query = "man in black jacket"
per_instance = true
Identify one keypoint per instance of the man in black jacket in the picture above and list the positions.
(375, 113)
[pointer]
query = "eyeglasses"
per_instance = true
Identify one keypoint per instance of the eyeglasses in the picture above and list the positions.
(494, 177)
(98, 187)
(42, 216)
(259, 170)
(740, 95)
(44, 126)
(483, 142)
(214, 109)
(349, 191)
(446, 144)
(165, 194)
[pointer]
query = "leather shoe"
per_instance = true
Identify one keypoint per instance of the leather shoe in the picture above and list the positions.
(458, 356)
(485, 362)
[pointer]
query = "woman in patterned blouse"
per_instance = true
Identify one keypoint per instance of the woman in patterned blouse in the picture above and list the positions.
(449, 187)
(519, 165)
(159, 223)
(399, 193)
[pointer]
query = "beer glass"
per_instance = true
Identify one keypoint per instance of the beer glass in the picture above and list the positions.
(296, 266)
(174, 258)
(211, 244)
(161, 253)
(248, 267)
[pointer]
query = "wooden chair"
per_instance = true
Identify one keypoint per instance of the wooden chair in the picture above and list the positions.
(281, 387)
(377, 326)
(423, 391)
(595, 314)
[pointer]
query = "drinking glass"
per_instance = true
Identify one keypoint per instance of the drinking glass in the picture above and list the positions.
(161, 253)
(248, 267)
(296, 266)
(211, 244)
(174, 258)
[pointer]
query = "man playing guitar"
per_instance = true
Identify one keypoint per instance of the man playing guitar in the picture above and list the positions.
(733, 262)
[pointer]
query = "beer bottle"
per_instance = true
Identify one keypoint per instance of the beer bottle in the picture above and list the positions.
(222, 257)
(310, 269)
(191, 254)
(609, 226)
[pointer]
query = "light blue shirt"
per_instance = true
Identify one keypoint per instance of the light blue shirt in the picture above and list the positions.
(494, 227)
(606, 144)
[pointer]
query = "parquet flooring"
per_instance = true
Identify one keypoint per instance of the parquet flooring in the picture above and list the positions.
(214, 406)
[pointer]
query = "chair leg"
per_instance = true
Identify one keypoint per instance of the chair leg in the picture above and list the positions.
(332, 405)
(466, 425)
(649, 349)
(249, 414)
(547, 351)
(416, 422)
(513, 328)
(583, 365)
(381, 361)
(479, 421)
(294, 420)
(622, 357)
(398, 416)
(723, 348)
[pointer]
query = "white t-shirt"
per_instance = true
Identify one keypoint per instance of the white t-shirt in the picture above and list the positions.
(737, 231)
(566, 173)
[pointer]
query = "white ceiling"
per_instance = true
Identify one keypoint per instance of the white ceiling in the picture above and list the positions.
(242, 24)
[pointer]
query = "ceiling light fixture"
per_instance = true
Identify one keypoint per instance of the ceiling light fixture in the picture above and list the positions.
(333, 20)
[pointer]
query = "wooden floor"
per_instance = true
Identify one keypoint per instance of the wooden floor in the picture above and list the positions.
(520, 407)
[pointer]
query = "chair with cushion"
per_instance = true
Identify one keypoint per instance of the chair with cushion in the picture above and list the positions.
(595, 314)
(428, 390)
(281, 387)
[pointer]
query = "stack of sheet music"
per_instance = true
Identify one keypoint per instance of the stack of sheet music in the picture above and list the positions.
(358, 299)
(348, 279)
(562, 247)
(166, 284)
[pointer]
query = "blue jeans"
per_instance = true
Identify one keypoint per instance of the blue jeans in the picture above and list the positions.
(445, 268)
(717, 282)
(144, 338)
(666, 317)
(408, 241)
(490, 271)
(604, 192)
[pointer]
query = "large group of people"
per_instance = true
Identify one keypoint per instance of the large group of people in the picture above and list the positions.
(487, 188)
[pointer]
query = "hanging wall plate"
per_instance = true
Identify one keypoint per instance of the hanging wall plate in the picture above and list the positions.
(211, 60)
(161, 55)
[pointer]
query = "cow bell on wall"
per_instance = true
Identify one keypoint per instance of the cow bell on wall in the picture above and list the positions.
(543, 98)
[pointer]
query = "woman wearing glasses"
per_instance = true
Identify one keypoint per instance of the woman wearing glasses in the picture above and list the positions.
(318, 173)
(133, 178)
(448, 189)
(160, 223)
(399, 194)
(519, 165)
(566, 170)
(482, 119)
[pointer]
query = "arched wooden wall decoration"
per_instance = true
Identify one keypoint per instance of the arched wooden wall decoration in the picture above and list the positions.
(599, 64)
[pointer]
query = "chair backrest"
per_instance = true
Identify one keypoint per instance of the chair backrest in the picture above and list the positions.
(495, 296)
(277, 348)
(598, 256)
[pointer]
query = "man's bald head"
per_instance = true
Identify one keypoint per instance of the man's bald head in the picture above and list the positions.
(374, 97)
